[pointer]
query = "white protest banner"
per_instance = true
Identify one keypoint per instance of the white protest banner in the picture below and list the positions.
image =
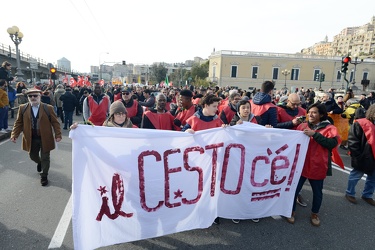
(133, 184)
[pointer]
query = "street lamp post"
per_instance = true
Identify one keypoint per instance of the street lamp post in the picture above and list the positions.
(355, 62)
(16, 35)
(285, 73)
(100, 65)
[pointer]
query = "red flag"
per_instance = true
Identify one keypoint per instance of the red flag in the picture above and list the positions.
(101, 82)
(80, 81)
(65, 79)
(73, 82)
(336, 158)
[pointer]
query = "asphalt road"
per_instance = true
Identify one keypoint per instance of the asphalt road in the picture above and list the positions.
(30, 214)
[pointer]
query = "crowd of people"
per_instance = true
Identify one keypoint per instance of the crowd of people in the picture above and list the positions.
(329, 120)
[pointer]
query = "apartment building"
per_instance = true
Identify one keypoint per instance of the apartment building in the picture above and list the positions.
(359, 40)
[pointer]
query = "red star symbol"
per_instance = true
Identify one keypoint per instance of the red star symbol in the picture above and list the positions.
(178, 193)
(102, 190)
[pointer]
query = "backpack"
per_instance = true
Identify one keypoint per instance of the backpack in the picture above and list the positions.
(44, 107)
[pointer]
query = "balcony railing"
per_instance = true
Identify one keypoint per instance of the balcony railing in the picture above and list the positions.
(7, 50)
(281, 55)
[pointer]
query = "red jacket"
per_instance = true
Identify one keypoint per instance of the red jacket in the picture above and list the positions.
(98, 111)
(197, 124)
(260, 109)
(317, 156)
(160, 121)
(183, 115)
(283, 116)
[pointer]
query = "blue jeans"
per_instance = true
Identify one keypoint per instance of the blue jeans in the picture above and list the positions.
(4, 117)
(354, 177)
(68, 118)
(11, 106)
(317, 188)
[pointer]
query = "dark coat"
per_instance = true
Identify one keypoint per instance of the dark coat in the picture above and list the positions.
(270, 116)
(4, 74)
(360, 151)
(331, 105)
(69, 101)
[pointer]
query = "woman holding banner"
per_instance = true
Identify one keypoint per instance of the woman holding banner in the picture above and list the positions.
(323, 139)
(117, 117)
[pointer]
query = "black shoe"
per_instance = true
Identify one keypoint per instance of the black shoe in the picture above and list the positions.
(217, 221)
(39, 167)
(44, 181)
(65, 128)
(78, 114)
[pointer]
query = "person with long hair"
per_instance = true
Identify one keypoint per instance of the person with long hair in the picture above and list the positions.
(323, 139)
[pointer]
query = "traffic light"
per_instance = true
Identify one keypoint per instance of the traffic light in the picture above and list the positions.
(344, 64)
(322, 77)
(53, 73)
(317, 77)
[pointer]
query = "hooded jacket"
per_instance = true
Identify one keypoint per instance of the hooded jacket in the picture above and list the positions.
(261, 105)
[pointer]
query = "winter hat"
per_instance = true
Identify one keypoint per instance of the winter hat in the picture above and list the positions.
(117, 107)
(33, 90)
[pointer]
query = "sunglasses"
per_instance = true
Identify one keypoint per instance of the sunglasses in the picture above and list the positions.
(35, 96)
(125, 93)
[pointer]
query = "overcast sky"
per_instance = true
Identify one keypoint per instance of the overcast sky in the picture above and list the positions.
(143, 32)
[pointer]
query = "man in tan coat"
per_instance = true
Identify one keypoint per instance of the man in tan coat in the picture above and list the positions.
(36, 120)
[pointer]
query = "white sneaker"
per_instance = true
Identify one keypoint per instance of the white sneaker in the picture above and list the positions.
(3, 131)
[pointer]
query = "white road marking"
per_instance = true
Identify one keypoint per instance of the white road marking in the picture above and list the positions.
(62, 227)
(346, 170)
(1, 143)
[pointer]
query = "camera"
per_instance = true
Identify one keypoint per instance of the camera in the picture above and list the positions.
(301, 118)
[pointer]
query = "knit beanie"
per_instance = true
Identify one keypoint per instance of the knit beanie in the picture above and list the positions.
(117, 107)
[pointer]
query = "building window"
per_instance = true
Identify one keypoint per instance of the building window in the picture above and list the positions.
(316, 75)
(338, 76)
(275, 73)
(254, 73)
(365, 76)
(214, 71)
(294, 75)
(233, 72)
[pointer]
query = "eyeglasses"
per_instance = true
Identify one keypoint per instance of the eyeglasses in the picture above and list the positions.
(120, 114)
(125, 93)
(295, 103)
(35, 96)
